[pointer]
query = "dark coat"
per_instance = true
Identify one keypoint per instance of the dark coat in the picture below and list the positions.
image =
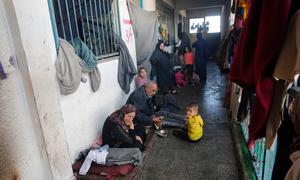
(145, 106)
(185, 42)
(116, 137)
(163, 65)
(201, 56)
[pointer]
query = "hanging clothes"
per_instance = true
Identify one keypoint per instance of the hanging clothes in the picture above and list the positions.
(126, 67)
(2, 73)
(88, 62)
(284, 140)
(145, 25)
(201, 56)
(245, 5)
(289, 59)
(68, 68)
(274, 119)
(287, 66)
(294, 111)
(256, 55)
(222, 53)
(294, 171)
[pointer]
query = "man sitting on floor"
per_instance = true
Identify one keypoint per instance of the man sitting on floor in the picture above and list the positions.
(147, 112)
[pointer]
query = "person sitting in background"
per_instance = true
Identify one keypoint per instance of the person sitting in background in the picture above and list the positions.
(142, 77)
(194, 124)
(148, 113)
(119, 130)
(180, 78)
(188, 58)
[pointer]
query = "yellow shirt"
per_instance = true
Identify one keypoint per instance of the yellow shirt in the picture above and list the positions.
(194, 126)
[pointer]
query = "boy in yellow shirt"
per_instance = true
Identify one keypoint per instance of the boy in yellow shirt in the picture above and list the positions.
(194, 124)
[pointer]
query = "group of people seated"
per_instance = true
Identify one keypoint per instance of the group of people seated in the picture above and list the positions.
(124, 135)
(125, 128)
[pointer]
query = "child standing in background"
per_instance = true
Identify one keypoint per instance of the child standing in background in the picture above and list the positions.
(194, 124)
(188, 58)
(142, 78)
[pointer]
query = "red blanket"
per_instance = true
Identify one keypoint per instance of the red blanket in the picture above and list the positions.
(108, 172)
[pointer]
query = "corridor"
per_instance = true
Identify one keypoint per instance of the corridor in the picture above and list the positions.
(211, 158)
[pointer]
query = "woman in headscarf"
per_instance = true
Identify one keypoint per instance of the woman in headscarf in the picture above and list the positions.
(119, 130)
(162, 64)
(184, 42)
(201, 56)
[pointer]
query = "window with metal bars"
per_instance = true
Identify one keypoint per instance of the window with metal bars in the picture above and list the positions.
(95, 22)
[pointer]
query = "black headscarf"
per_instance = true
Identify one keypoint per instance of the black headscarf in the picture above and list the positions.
(157, 47)
(118, 116)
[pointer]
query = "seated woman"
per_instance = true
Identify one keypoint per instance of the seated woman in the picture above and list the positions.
(119, 130)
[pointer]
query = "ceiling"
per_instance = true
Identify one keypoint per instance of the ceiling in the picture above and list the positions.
(192, 4)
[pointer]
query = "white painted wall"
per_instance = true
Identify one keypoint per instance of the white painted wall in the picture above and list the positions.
(23, 153)
(37, 40)
(84, 112)
(149, 5)
(41, 131)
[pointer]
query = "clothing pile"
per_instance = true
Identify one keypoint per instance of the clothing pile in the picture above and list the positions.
(108, 162)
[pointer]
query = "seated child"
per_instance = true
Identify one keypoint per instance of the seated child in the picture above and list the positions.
(141, 79)
(180, 78)
(194, 124)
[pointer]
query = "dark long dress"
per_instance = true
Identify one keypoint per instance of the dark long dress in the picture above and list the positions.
(201, 56)
(116, 136)
(163, 65)
(185, 42)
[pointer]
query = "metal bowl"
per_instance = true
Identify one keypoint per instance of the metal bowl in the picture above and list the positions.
(162, 133)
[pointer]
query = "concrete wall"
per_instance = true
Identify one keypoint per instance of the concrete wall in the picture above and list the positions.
(201, 12)
(21, 151)
(149, 5)
(84, 112)
(188, 4)
(41, 131)
(171, 3)
(182, 13)
(34, 141)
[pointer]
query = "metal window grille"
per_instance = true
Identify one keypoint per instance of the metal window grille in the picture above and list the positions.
(95, 22)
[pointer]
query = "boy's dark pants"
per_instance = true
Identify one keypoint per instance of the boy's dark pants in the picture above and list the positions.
(182, 134)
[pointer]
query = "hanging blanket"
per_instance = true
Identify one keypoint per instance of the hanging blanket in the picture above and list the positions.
(144, 25)
(126, 68)
(67, 68)
(88, 62)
